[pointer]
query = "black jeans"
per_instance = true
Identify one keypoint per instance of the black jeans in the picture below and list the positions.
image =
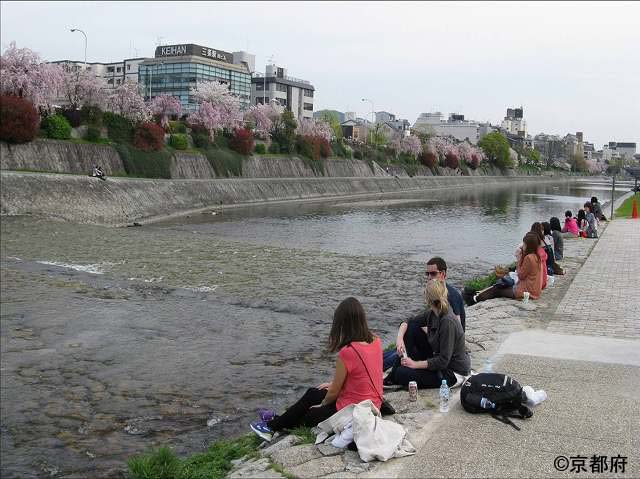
(302, 414)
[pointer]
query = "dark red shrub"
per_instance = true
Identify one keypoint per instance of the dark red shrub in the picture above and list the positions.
(475, 161)
(428, 159)
(451, 160)
(149, 137)
(18, 120)
(242, 141)
(324, 146)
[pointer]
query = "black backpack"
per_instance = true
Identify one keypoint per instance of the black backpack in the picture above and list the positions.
(504, 392)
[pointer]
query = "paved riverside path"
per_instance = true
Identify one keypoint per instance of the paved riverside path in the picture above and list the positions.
(586, 355)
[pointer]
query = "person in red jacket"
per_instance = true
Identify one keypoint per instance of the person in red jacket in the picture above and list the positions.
(570, 225)
(529, 272)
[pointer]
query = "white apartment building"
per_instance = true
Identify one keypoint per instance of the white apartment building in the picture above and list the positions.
(615, 150)
(514, 122)
(113, 74)
(292, 93)
(455, 126)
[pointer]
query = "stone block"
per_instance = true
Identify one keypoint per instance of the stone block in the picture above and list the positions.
(317, 467)
(296, 455)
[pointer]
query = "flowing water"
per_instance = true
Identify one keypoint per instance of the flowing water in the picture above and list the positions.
(118, 340)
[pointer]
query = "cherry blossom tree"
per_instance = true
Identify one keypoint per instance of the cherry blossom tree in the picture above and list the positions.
(222, 100)
(308, 127)
(80, 88)
(164, 106)
(262, 117)
(24, 74)
(127, 101)
(207, 117)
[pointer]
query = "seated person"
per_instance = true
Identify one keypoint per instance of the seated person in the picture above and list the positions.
(558, 242)
(98, 173)
(436, 270)
(438, 352)
(529, 274)
(591, 221)
(358, 375)
(597, 209)
(571, 227)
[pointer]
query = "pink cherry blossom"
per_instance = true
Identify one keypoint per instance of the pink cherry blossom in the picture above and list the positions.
(208, 117)
(24, 74)
(263, 117)
(81, 87)
(164, 106)
(127, 101)
(308, 127)
(222, 100)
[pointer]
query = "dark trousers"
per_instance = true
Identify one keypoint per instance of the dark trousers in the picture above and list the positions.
(418, 349)
(494, 292)
(302, 414)
(416, 344)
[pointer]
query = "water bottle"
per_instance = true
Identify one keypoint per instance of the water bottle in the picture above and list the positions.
(488, 365)
(486, 404)
(444, 396)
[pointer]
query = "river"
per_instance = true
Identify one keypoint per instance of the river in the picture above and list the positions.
(118, 340)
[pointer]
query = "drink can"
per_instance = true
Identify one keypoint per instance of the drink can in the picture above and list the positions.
(525, 297)
(413, 391)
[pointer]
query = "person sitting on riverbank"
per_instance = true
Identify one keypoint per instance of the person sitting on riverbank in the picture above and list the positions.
(436, 269)
(437, 354)
(98, 173)
(570, 225)
(582, 223)
(597, 209)
(538, 230)
(358, 375)
(558, 242)
(529, 270)
(591, 221)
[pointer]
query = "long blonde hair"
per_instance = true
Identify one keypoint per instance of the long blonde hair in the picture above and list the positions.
(435, 294)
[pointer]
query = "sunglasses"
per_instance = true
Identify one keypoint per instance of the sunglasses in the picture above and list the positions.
(432, 274)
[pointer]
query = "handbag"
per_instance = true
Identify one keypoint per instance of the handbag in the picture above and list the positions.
(386, 409)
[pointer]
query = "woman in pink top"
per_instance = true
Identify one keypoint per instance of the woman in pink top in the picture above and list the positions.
(358, 375)
(570, 224)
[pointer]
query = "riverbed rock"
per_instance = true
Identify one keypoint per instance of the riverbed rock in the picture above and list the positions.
(317, 467)
(255, 468)
(285, 443)
(296, 455)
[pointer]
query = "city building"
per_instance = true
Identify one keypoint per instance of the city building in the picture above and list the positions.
(384, 116)
(619, 150)
(294, 94)
(514, 122)
(176, 69)
(455, 126)
(113, 74)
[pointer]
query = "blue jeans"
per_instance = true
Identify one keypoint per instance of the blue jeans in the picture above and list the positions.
(388, 358)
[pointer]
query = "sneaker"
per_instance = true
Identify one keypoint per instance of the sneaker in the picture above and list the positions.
(262, 430)
(266, 415)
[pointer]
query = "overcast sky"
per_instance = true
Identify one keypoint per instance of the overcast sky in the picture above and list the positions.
(573, 66)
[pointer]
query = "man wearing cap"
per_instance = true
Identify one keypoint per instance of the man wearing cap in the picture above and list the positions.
(436, 269)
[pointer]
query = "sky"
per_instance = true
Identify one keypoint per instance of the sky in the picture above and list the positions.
(573, 66)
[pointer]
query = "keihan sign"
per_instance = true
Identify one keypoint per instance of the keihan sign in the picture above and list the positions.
(191, 49)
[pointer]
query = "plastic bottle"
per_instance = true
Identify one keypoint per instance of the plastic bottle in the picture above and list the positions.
(488, 365)
(486, 404)
(444, 396)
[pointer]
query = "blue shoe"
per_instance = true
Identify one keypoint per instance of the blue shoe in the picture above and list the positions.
(266, 415)
(262, 430)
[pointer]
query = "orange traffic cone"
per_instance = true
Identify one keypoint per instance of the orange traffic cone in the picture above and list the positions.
(634, 209)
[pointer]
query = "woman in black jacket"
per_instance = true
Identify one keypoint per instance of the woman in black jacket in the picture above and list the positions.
(443, 355)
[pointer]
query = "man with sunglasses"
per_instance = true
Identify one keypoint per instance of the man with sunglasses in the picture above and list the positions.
(436, 269)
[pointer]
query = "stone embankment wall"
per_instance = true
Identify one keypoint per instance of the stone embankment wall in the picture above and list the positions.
(120, 201)
(60, 157)
(191, 165)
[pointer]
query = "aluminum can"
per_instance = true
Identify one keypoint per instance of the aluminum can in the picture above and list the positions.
(413, 391)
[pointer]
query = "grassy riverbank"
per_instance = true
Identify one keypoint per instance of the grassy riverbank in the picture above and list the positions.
(215, 463)
(624, 211)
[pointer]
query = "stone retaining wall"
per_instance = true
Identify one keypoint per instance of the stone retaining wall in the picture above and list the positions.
(120, 201)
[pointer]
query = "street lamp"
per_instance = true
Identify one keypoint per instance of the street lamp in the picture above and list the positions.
(85, 44)
(373, 115)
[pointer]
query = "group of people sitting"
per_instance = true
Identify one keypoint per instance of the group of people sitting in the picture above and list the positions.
(536, 258)
(430, 347)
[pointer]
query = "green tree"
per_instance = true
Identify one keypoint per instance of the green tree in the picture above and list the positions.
(496, 148)
(578, 163)
(332, 117)
(532, 157)
(284, 132)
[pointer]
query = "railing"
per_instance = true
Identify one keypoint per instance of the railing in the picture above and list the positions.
(269, 77)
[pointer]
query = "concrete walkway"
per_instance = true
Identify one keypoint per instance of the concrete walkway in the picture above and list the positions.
(587, 358)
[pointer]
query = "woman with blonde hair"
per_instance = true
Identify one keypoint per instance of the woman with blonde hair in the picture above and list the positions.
(444, 355)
